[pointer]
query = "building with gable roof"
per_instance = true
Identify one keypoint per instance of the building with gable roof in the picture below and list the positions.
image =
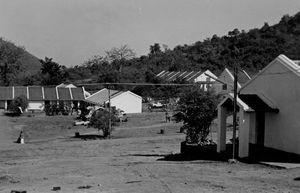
(188, 76)
(124, 100)
(271, 119)
(227, 77)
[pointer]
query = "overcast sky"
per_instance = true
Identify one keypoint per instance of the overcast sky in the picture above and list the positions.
(71, 31)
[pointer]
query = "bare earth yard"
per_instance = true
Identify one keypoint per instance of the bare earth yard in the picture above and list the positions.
(133, 161)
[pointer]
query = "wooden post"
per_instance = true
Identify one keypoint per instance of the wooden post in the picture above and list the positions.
(109, 110)
(234, 113)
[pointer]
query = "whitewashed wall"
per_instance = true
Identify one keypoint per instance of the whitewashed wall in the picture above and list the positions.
(128, 102)
(282, 86)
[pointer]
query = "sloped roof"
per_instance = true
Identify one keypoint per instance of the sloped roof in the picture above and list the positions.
(77, 93)
(101, 96)
(64, 93)
(50, 94)
(243, 76)
(259, 102)
(178, 75)
(38, 93)
(296, 62)
(20, 90)
(240, 103)
(62, 85)
(35, 93)
(6, 93)
(293, 66)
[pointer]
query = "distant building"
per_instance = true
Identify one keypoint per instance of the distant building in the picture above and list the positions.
(187, 76)
(269, 110)
(63, 85)
(227, 77)
(38, 96)
(124, 100)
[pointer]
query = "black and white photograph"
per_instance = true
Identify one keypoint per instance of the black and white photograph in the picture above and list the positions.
(140, 96)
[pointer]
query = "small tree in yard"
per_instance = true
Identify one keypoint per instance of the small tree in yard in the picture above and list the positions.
(17, 103)
(100, 120)
(197, 109)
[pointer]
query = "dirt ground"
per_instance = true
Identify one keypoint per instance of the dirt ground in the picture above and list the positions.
(133, 161)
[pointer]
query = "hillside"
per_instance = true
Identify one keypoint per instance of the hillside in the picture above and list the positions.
(31, 63)
(28, 64)
(257, 47)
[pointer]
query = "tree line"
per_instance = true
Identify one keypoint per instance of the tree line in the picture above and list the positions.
(256, 48)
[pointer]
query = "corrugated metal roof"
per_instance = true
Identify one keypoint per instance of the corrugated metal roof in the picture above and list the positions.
(6, 93)
(243, 77)
(50, 94)
(20, 90)
(77, 93)
(64, 93)
(35, 93)
(101, 96)
(178, 75)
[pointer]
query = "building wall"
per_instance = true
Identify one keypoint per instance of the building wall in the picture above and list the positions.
(227, 77)
(127, 102)
(36, 105)
(203, 77)
(282, 86)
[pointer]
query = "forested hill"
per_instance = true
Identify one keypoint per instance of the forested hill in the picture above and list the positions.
(256, 48)
(16, 64)
(253, 50)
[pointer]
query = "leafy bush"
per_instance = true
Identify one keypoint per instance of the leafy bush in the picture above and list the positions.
(100, 120)
(17, 103)
(197, 109)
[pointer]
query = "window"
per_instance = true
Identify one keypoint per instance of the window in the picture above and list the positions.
(224, 87)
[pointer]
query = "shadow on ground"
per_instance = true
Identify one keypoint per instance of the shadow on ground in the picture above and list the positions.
(88, 137)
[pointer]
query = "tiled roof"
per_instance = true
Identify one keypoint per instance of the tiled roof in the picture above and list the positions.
(35, 93)
(178, 75)
(6, 93)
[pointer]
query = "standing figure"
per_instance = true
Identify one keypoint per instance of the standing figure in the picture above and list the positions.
(21, 138)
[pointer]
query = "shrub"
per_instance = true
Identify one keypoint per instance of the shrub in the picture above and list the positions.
(17, 103)
(197, 109)
(100, 120)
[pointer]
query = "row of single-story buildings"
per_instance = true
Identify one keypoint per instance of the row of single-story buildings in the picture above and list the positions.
(39, 96)
(208, 77)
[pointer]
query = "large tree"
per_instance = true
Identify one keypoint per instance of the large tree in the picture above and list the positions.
(10, 65)
(52, 72)
(118, 56)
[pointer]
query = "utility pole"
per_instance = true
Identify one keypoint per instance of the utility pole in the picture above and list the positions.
(234, 112)
(109, 111)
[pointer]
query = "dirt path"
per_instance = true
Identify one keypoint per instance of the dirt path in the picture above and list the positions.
(129, 165)
(8, 132)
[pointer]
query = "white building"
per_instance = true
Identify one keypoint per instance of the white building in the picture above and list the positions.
(269, 117)
(188, 76)
(126, 101)
(38, 96)
(227, 77)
